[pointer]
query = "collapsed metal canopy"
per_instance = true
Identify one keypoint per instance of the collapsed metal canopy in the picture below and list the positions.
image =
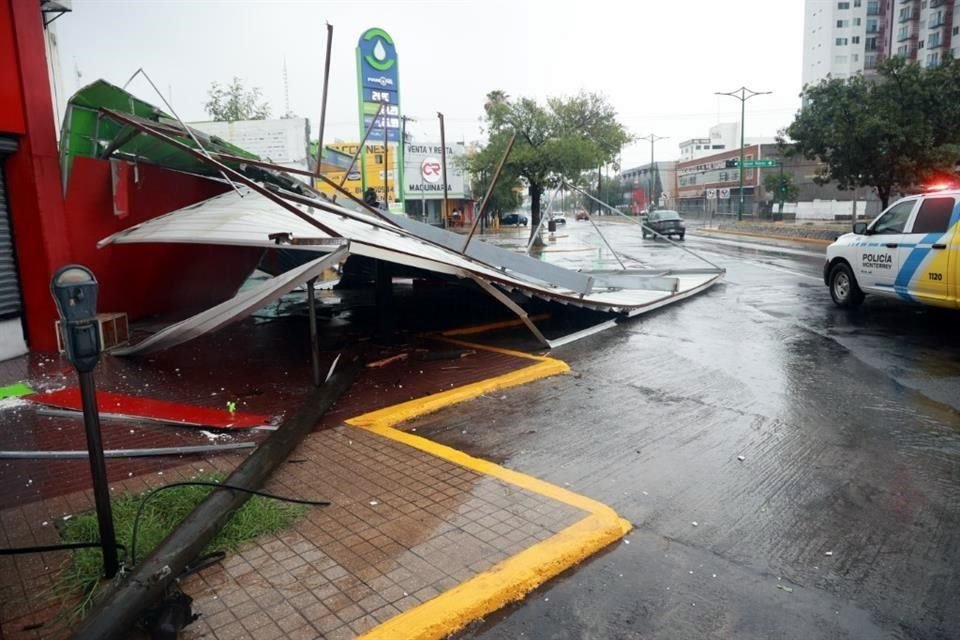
(261, 215)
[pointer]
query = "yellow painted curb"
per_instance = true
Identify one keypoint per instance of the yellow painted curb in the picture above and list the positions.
(513, 578)
(503, 583)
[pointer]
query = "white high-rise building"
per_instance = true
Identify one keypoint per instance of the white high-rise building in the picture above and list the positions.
(934, 31)
(834, 38)
(845, 37)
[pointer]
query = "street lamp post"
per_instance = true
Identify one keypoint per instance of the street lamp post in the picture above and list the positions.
(652, 139)
(742, 94)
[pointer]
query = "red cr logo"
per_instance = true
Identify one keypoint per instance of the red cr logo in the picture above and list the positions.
(431, 170)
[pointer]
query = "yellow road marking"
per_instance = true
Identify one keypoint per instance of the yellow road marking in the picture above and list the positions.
(491, 326)
(513, 578)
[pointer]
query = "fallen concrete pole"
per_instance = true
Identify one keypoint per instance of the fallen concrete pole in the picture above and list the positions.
(116, 614)
(128, 453)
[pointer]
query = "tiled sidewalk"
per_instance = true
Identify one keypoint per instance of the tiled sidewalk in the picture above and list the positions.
(404, 527)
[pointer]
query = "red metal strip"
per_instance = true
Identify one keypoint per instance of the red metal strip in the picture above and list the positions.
(140, 407)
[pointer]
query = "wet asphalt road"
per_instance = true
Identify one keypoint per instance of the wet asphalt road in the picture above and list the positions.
(848, 494)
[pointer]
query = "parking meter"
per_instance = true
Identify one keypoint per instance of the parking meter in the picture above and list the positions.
(74, 289)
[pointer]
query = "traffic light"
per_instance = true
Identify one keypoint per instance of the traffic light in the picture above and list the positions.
(733, 164)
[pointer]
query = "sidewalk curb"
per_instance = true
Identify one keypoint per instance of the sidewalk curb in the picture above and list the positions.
(815, 241)
(513, 578)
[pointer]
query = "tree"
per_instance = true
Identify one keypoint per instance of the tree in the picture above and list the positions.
(782, 187)
(561, 139)
(888, 132)
(506, 194)
(234, 102)
(611, 190)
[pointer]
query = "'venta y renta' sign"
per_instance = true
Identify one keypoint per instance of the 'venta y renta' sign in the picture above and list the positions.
(423, 171)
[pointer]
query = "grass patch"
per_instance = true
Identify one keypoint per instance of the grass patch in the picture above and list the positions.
(80, 582)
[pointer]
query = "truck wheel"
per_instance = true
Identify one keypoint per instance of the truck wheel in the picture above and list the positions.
(844, 289)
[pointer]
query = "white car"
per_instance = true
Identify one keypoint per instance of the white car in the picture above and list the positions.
(911, 251)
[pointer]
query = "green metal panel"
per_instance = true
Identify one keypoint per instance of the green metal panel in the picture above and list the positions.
(87, 133)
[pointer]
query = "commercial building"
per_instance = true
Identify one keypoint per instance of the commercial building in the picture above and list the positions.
(371, 169)
(57, 202)
(844, 37)
(656, 182)
(722, 137)
(31, 200)
(283, 141)
(423, 184)
(710, 186)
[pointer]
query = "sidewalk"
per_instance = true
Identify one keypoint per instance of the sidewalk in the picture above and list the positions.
(420, 539)
(820, 234)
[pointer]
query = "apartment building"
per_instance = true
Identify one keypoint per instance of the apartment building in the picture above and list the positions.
(844, 37)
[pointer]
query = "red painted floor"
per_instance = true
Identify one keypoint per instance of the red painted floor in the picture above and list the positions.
(264, 368)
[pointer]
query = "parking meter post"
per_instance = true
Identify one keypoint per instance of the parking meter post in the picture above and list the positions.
(98, 471)
(74, 291)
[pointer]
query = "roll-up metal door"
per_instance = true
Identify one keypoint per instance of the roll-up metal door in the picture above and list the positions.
(10, 305)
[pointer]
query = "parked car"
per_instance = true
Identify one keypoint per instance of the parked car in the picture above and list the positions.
(559, 218)
(582, 215)
(514, 219)
(666, 223)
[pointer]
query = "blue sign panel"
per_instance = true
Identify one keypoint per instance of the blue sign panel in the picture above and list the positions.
(377, 61)
(378, 79)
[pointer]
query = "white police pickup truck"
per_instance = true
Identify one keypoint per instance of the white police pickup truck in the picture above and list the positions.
(911, 252)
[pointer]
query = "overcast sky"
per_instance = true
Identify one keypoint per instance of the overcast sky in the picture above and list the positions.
(658, 62)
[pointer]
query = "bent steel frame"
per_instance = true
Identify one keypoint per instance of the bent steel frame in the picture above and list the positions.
(403, 241)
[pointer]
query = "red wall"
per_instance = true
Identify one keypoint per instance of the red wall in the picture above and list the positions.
(144, 280)
(33, 177)
(50, 232)
(11, 100)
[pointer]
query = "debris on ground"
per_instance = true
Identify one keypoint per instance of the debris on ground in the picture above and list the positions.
(741, 458)
(785, 588)
(15, 391)
(376, 364)
(457, 354)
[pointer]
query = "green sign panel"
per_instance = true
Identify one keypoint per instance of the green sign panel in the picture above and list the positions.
(755, 164)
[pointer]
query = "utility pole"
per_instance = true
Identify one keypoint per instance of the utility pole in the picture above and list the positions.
(652, 139)
(783, 191)
(599, 187)
(323, 99)
(403, 158)
(742, 94)
(443, 162)
(386, 164)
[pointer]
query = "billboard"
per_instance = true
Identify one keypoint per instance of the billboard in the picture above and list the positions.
(378, 80)
(423, 171)
(368, 171)
(284, 141)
